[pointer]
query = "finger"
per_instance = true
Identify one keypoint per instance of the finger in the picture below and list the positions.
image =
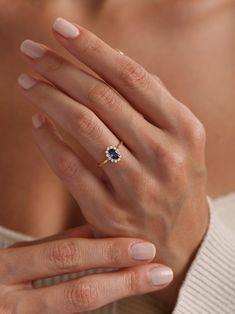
(91, 195)
(81, 122)
(108, 105)
(83, 231)
(94, 291)
(124, 74)
(71, 255)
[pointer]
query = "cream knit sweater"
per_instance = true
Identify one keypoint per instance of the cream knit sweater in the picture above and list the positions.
(210, 283)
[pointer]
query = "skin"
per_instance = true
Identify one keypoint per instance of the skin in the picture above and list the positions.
(138, 186)
(172, 246)
(49, 257)
(32, 198)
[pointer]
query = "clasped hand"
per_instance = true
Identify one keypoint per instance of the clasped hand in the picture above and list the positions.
(157, 191)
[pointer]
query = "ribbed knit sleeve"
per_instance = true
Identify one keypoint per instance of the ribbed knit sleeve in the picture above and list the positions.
(209, 286)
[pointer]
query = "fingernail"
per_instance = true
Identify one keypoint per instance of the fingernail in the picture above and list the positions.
(161, 275)
(32, 49)
(37, 120)
(65, 28)
(26, 81)
(142, 251)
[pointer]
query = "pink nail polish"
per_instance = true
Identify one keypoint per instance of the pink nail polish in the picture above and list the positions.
(37, 120)
(26, 82)
(65, 28)
(161, 275)
(142, 251)
(32, 49)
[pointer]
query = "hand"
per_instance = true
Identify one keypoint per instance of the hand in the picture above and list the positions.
(158, 189)
(73, 251)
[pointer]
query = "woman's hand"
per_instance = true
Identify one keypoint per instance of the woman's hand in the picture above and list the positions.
(71, 252)
(158, 189)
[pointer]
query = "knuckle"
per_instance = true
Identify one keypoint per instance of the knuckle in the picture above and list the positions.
(177, 168)
(85, 124)
(170, 155)
(176, 160)
(63, 255)
(177, 174)
(192, 130)
(91, 45)
(132, 282)
(134, 74)
(66, 165)
(106, 99)
(113, 253)
(54, 64)
(81, 295)
(197, 133)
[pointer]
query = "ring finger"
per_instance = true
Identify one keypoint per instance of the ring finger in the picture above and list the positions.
(79, 121)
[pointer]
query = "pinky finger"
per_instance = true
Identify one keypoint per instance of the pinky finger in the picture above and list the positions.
(89, 192)
(94, 291)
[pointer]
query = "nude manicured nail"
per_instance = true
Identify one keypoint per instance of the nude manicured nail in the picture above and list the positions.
(142, 251)
(65, 28)
(32, 49)
(161, 275)
(26, 81)
(37, 120)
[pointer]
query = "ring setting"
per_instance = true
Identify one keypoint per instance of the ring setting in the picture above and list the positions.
(112, 153)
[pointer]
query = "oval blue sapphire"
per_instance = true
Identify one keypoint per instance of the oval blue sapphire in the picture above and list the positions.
(113, 154)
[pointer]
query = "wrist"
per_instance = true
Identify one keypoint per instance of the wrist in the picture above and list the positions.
(185, 240)
(179, 253)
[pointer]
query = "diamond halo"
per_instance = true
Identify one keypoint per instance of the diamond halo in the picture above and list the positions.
(113, 154)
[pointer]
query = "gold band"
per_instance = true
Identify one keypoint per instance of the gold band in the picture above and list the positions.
(102, 163)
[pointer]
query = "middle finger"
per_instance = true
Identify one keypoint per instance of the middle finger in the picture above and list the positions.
(94, 93)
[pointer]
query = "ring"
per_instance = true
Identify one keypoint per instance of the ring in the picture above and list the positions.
(112, 153)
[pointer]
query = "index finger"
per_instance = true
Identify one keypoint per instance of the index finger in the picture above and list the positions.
(128, 77)
(71, 255)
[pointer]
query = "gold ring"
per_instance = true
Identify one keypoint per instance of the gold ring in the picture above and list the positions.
(112, 153)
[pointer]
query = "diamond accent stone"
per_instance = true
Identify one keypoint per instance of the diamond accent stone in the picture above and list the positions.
(113, 154)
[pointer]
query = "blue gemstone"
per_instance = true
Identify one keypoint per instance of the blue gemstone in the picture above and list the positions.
(113, 154)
